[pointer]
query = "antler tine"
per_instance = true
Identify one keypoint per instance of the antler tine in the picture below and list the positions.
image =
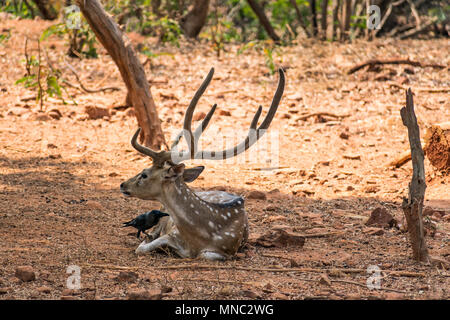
(200, 129)
(256, 118)
(144, 150)
(254, 134)
(190, 111)
(275, 101)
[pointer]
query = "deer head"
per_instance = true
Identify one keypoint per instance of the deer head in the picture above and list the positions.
(213, 224)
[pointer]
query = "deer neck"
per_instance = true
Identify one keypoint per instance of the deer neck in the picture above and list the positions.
(183, 204)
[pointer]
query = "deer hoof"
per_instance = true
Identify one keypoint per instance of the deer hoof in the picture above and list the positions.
(141, 249)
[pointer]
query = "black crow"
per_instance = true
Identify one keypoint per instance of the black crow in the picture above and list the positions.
(145, 221)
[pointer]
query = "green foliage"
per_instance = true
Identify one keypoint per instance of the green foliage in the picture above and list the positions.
(359, 22)
(44, 79)
(5, 36)
(267, 48)
(82, 41)
(151, 55)
(18, 8)
(167, 29)
(439, 13)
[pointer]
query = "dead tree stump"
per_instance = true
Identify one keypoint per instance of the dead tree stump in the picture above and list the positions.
(413, 205)
(121, 50)
(437, 146)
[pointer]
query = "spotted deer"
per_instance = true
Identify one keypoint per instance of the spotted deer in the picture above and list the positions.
(209, 224)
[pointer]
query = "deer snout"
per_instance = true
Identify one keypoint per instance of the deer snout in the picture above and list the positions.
(123, 189)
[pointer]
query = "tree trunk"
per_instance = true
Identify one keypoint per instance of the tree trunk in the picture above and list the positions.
(335, 19)
(259, 11)
(323, 21)
(121, 51)
(312, 4)
(46, 9)
(193, 22)
(413, 205)
(300, 18)
(346, 15)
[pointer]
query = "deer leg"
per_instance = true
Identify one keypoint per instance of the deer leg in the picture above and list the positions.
(211, 255)
(163, 242)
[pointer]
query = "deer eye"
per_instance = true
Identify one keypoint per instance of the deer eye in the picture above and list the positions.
(144, 176)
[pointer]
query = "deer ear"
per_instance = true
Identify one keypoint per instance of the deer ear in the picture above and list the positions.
(191, 174)
(174, 171)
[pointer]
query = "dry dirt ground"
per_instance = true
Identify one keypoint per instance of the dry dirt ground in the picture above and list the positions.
(60, 203)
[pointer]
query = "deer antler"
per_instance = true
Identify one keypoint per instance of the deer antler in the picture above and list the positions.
(192, 139)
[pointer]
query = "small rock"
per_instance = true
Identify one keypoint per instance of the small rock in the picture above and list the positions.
(44, 289)
(155, 294)
(250, 294)
(142, 294)
(255, 194)
(199, 116)
(138, 294)
(344, 135)
(325, 280)
(224, 113)
(226, 291)
(16, 111)
(41, 117)
(370, 189)
(166, 289)
(350, 188)
(429, 211)
(25, 273)
(81, 117)
(279, 296)
(280, 238)
(297, 190)
(70, 292)
(274, 191)
(127, 276)
(409, 70)
(94, 112)
(381, 218)
(94, 205)
(55, 114)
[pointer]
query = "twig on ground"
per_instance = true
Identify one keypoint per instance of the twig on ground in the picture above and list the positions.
(403, 158)
(373, 62)
(83, 87)
(251, 284)
(429, 90)
(200, 266)
(304, 117)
